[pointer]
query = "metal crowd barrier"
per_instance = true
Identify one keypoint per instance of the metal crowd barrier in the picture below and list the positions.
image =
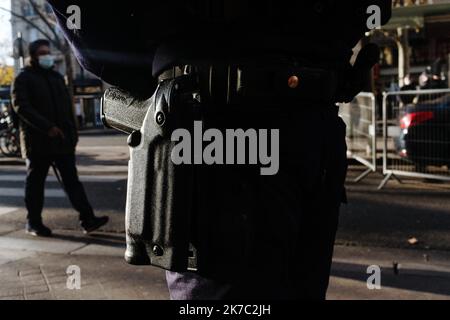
(360, 116)
(416, 135)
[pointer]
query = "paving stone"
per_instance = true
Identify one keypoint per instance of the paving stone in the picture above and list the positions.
(6, 292)
(30, 272)
(12, 298)
(29, 290)
(99, 250)
(61, 247)
(40, 296)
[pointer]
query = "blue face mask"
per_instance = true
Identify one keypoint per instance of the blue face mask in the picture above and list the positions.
(47, 61)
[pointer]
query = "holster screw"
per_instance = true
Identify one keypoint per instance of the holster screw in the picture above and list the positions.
(157, 251)
(160, 118)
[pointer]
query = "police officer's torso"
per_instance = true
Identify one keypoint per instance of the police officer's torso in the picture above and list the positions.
(127, 38)
(320, 29)
(254, 218)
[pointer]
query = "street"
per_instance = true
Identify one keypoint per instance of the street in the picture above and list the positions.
(404, 229)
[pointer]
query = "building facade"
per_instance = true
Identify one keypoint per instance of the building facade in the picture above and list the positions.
(87, 89)
(417, 39)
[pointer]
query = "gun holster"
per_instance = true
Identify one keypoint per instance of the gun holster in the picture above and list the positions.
(165, 200)
(159, 196)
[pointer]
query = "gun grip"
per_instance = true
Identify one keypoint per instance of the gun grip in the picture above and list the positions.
(122, 111)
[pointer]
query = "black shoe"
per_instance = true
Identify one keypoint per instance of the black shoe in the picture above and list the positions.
(38, 230)
(94, 223)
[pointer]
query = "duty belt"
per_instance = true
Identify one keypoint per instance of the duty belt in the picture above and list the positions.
(249, 86)
(256, 84)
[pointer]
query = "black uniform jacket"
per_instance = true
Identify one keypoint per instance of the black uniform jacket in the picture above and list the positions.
(125, 44)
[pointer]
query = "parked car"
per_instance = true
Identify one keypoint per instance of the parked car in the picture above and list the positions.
(425, 132)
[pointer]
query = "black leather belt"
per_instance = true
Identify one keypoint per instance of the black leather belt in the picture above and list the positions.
(248, 87)
(259, 83)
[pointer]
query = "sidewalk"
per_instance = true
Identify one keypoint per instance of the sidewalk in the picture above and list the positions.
(33, 268)
(405, 274)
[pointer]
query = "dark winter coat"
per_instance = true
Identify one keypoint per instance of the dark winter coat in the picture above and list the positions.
(42, 101)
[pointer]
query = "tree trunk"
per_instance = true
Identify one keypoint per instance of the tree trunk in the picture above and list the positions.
(403, 55)
(70, 78)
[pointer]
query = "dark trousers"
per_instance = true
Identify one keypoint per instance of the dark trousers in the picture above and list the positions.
(298, 220)
(37, 171)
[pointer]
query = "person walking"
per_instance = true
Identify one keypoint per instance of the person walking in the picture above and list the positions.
(48, 138)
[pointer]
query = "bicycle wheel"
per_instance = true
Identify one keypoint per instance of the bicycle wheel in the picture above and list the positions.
(9, 145)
